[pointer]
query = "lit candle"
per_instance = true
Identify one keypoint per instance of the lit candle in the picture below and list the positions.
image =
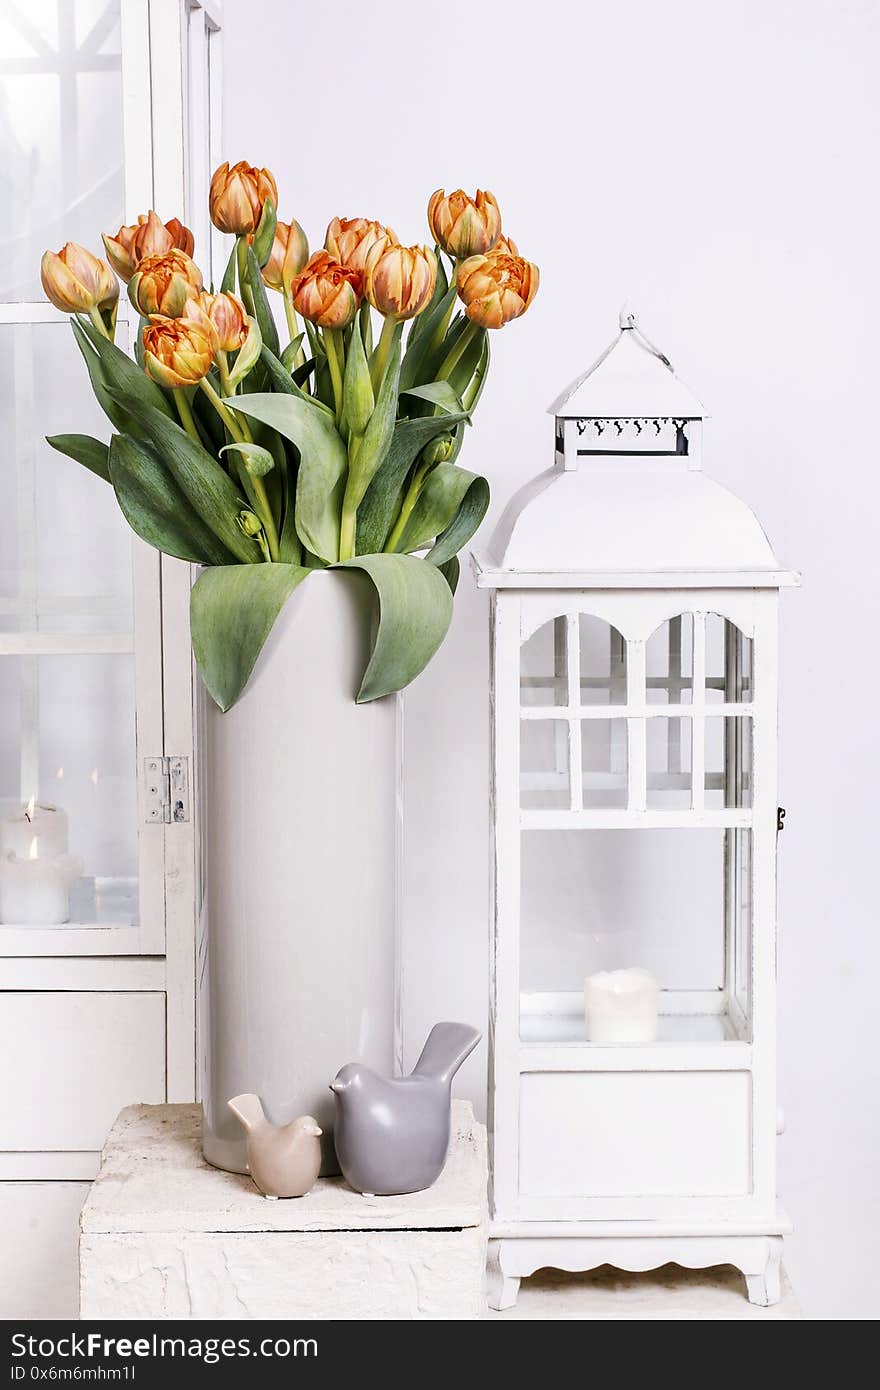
(35, 892)
(40, 821)
(621, 1006)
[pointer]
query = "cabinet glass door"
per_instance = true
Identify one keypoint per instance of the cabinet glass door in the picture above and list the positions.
(80, 645)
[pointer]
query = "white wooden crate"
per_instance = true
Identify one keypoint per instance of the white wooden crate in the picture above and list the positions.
(166, 1236)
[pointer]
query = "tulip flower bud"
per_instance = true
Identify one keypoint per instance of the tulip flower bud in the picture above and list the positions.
(504, 246)
(237, 195)
(76, 282)
(177, 352)
(149, 236)
(163, 284)
(496, 288)
(289, 254)
(327, 293)
(250, 523)
(463, 226)
(228, 316)
(350, 240)
(400, 281)
(438, 450)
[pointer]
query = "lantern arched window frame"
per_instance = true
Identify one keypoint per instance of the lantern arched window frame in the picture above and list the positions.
(633, 1154)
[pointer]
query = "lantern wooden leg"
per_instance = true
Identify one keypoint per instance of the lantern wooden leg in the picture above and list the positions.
(764, 1286)
(503, 1289)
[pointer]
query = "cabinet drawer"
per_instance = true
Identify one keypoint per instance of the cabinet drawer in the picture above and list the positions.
(72, 1061)
(635, 1134)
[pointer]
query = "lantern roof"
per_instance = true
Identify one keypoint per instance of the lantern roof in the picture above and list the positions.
(631, 515)
(630, 378)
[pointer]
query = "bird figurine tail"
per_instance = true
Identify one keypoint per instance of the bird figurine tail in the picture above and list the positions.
(448, 1045)
(249, 1109)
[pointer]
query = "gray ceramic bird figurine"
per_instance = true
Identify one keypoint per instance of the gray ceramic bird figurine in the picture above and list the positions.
(283, 1160)
(392, 1135)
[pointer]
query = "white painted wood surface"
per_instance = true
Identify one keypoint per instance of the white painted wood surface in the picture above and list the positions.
(40, 1226)
(166, 1235)
(682, 1131)
(101, 1012)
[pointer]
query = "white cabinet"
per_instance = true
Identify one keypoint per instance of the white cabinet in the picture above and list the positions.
(112, 108)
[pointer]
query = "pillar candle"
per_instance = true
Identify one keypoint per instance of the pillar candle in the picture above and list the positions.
(621, 1006)
(35, 892)
(38, 820)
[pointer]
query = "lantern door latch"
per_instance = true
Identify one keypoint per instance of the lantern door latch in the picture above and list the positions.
(166, 790)
(780, 818)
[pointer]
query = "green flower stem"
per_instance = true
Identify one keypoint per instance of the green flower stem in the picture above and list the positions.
(254, 487)
(241, 250)
(380, 356)
(184, 410)
(293, 327)
(336, 363)
(440, 332)
(366, 326)
(347, 532)
(95, 316)
(409, 501)
(457, 351)
(223, 365)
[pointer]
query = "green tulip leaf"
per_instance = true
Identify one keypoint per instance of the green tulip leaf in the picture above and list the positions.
(227, 284)
(445, 491)
(323, 465)
(264, 236)
(462, 373)
(415, 610)
(156, 509)
(262, 312)
(451, 571)
(122, 376)
(115, 411)
(288, 356)
(419, 347)
(376, 511)
(438, 393)
(91, 453)
(472, 508)
(202, 480)
(257, 460)
(232, 611)
(379, 432)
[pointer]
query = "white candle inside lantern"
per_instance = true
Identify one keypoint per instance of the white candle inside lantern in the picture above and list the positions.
(621, 1006)
(36, 821)
(35, 892)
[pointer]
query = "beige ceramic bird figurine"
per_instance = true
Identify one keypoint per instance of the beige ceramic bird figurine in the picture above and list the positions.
(283, 1160)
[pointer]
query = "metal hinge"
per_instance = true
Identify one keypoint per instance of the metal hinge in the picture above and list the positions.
(780, 819)
(166, 790)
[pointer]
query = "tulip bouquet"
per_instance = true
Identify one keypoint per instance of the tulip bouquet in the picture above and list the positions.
(263, 462)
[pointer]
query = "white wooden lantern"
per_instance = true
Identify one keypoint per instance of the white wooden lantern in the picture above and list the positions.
(634, 622)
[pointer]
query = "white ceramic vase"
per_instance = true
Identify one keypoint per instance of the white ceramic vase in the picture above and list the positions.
(300, 819)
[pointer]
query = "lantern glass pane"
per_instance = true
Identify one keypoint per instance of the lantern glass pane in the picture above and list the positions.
(604, 763)
(728, 662)
(544, 762)
(669, 662)
(668, 750)
(672, 901)
(729, 762)
(609, 899)
(602, 653)
(543, 667)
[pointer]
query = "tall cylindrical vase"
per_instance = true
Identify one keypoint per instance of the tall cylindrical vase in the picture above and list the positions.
(300, 826)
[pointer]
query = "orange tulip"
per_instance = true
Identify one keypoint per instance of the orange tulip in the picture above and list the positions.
(504, 246)
(496, 288)
(400, 280)
(350, 240)
(463, 226)
(163, 284)
(327, 293)
(149, 236)
(289, 254)
(226, 315)
(76, 282)
(177, 352)
(237, 196)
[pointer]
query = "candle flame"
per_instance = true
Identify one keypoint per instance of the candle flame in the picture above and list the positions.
(95, 776)
(34, 851)
(29, 809)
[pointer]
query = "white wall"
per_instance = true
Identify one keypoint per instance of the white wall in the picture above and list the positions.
(717, 165)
